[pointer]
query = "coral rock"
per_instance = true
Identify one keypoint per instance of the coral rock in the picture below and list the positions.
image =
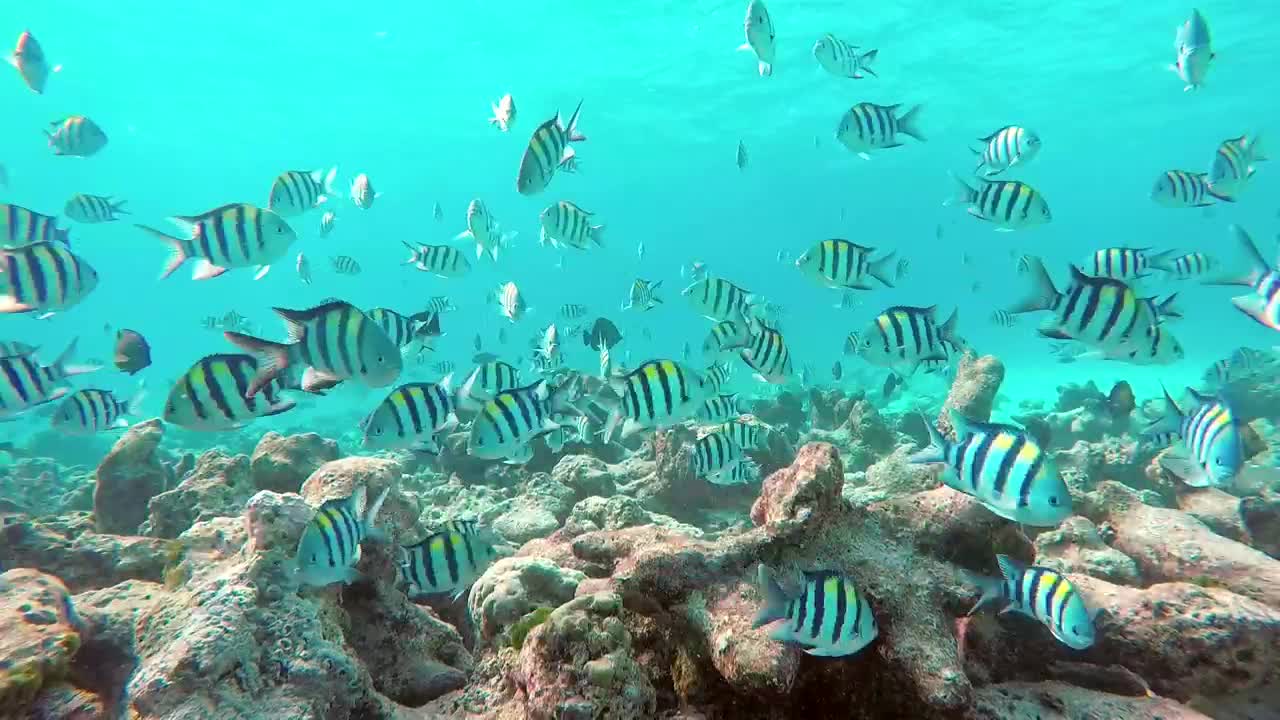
(516, 586)
(620, 511)
(340, 478)
(1059, 701)
(892, 477)
(68, 547)
(218, 486)
(282, 463)
(973, 392)
(39, 634)
(748, 659)
(1075, 547)
(127, 478)
(585, 475)
(804, 493)
(537, 511)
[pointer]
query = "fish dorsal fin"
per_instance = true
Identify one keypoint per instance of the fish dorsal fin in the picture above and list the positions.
(1009, 568)
(1201, 398)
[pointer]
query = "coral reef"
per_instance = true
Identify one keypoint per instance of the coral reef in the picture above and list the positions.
(128, 477)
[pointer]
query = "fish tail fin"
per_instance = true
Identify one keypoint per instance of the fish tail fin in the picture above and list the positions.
(775, 598)
(935, 451)
(117, 206)
(879, 269)
(182, 249)
(1162, 260)
(908, 124)
(572, 128)
(765, 69)
(1168, 308)
(1043, 294)
(864, 62)
(947, 331)
(1171, 421)
(413, 253)
(1250, 249)
(273, 358)
(992, 589)
(62, 366)
(597, 234)
(964, 194)
(372, 513)
(1256, 152)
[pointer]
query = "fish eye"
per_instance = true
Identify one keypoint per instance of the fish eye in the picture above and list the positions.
(1053, 500)
(1075, 630)
(314, 557)
(1219, 461)
(377, 431)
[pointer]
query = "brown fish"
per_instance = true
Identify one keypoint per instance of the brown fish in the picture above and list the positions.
(30, 62)
(1121, 401)
(132, 352)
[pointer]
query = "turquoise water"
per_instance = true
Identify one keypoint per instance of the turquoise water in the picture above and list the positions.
(206, 105)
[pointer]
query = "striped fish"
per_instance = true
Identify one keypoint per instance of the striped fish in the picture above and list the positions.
(20, 226)
(1233, 164)
(362, 192)
(842, 264)
(749, 435)
(44, 277)
(1003, 318)
(514, 417)
(440, 260)
(904, 337)
(25, 383)
(89, 411)
(511, 304)
(573, 311)
(720, 408)
(334, 341)
(1100, 312)
(1210, 433)
(556, 439)
(94, 208)
(330, 546)
(487, 380)
(1003, 467)
(410, 417)
(718, 299)
(213, 394)
(1123, 263)
(447, 562)
(867, 126)
(232, 236)
(658, 393)
(1184, 189)
(404, 330)
(564, 223)
(1041, 593)
(462, 527)
(714, 453)
(440, 304)
(761, 37)
(725, 336)
(768, 355)
(1010, 145)
(326, 223)
(1189, 265)
(15, 347)
(842, 59)
(1008, 204)
(484, 231)
(444, 367)
(829, 617)
(548, 150)
(716, 376)
(345, 265)
(77, 136)
(745, 471)
(643, 295)
(296, 191)
(28, 58)
(1263, 304)
(1157, 346)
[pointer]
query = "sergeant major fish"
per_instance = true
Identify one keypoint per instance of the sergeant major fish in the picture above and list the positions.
(768, 355)
(91, 410)
(94, 208)
(440, 260)
(643, 295)
(511, 304)
(504, 113)
(447, 562)
(1042, 594)
(1233, 164)
(904, 337)
(828, 617)
(842, 59)
(1183, 189)
(1263, 304)
(512, 418)
(410, 417)
(761, 38)
(658, 393)
(1210, 433)
(20, 226)
(714, 454)
(76, 136)
(549, 149)
(25, 383)
(867, 126)
(484, 231)
(1010, 145)
(1007, 204)
(1194, 51)
(330, 545)
(564, 223)
(45, 277)
(296, 191)
(486, 381)
(213, 394)
(232, 236)
(843, 264)
(718, 299)
(362, 192)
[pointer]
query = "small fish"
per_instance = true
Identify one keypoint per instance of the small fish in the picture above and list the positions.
(132, 352)
(718, 299)
(566, 224)
(1040, 593)
(232, 236)
(43, 277)
(212, 394)
(837, 371)
(29, 60)
(487, 380)
(716, 376)
(440, 303)
(828, 617)
(477, 344)
(687, 353)
(296, 191)
(1263, 304)
(1001, 466)
(761, 38)
(402, 330)
(438, 213)
(714, 453)
(326, 223)
(640, 251)
(903, 337)
(90, 411)
(720, 408)
(439, 260)
(504, 113)
(362, 193)
(514, 417)
(768, 355)
(20, 226)
(742, 156)
(842, 264)
(602, 333)
(1010, 145)
(76, 136)
(410, 417)
(1184, 267)
(335, 341)
(1194, 51)
(842, 59)
(549, 347)
(643, 295)
(511, 303)
(484, 230)
(345, 265)
(447, 562)
(304, 269)
(1233, 165)
(549, 149)
(1007, 204)
(867, 126)
(573, 311)
(606, 365)
(1185, 189)
(1003, 318)
(658, 393)
(444, 367)
(746, 471)
(1123, 263)
(93, 208)
(848, 300)
(25, 383)
(330, 545)
(1120, 401)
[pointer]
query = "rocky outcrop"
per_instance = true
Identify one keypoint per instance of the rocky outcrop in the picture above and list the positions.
(67, 546)
(1076, 547)
(128, 477)
(39, 635)
(541, 507)
(218, 486)
(973, 392)
(281, 463)
(516, 586)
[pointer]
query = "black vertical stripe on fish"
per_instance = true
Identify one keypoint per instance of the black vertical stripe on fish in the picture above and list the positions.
(841, 610)
(963, 447)
(451, 559)
(1024, 491)
(428, 565)
(819, 608)
(980, 459)
(1048, 596)
(336, 522)
(802, 612)
(1007, 463)
(1113, 316)
(1062, 608)
(668, 401)
(648, 395)
(348, 366)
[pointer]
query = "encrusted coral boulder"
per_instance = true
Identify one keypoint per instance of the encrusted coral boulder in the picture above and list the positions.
(127, 478)
(539, 510)
(68, 547)
(892, 477)
(516, 586)
(1060, 701)
(39, 635)
(585, 475)
(620, 511)
(747, 658)
(1076, 547)
(281, 463)
(805, 493)
(218, 486)
(973, 392)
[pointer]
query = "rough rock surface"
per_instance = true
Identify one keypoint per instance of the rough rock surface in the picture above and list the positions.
(218, 486)
(802, 493)
(67, 546)
(892, 477)
(281, 463)
(620, 511)
(340, 478)
(1076, 547)
(585, 475)
(1059, 701)
(973, 392)
(39, 634)
(539, 510)
(128, 477)
(516, 586)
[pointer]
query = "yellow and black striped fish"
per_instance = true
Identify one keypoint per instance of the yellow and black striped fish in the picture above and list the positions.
(1010, 145)
(441, 260)
(213, 394)
(297, 191)
(837, 263)
(868, 126)
(330, 544)
(1007, 204)
(76, 136)
(1189, 265)
(44, 277)
(410, 417)
(548, 151)
(643, 295)
(25, 383)
(1041, 593)
(447, 562)
(20, 226)
(94, 208)
(89, 411)
(504, 425)
(656, 394)
(564, 223)
(714, 453)
(1233, 164)
(720, 408)
(829, 617)
(750, 435)
(345, 265)
(768, 355)
(718, 299)
(724, 336)
(487, 380)
(238, 235)
(1123, 263)
(1183, 189)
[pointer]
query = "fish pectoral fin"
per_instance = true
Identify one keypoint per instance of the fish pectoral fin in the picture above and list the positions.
(262, 272)
(206, 270)
(826, 652)
(1186, 470)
